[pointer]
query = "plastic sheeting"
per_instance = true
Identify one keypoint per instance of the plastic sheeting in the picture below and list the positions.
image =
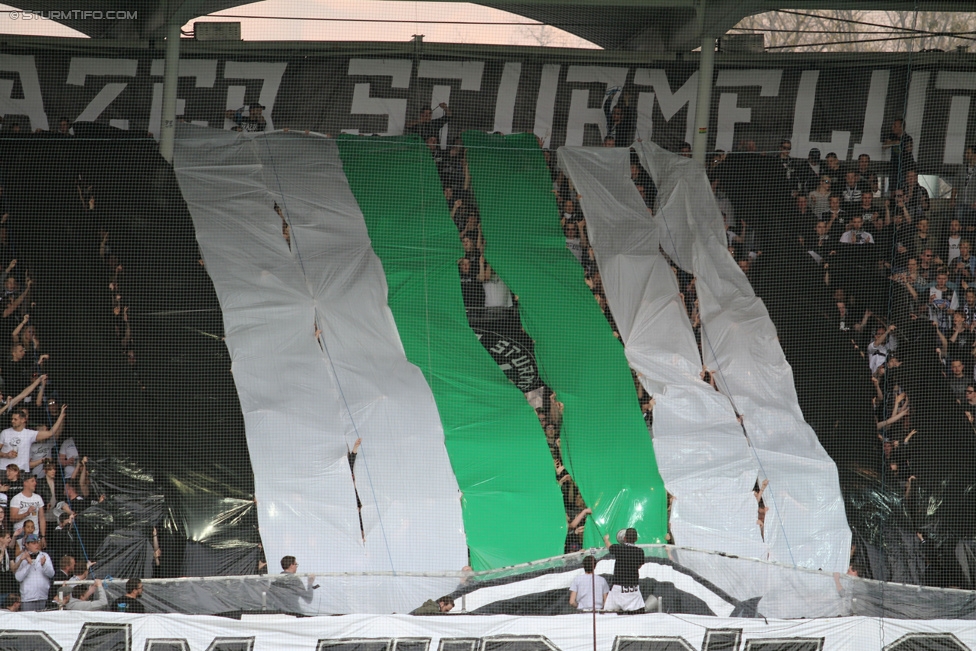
(688, 579)
(806, 524)
(512, 505)
(605, 444)
(306, 399)
(702, 453)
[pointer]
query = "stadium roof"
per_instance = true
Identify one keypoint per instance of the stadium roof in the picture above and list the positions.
(646, 25)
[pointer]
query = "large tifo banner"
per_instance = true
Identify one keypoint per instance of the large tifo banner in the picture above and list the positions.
(349, 325)
(840, 104)
(97, 631)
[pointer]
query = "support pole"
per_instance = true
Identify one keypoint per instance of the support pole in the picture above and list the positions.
(167, 132)
(703, 105)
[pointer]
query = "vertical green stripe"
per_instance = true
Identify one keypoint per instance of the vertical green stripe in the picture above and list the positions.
(605, 443)
(512, 506)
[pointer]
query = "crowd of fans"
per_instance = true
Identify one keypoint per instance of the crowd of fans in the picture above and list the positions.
(46, 485)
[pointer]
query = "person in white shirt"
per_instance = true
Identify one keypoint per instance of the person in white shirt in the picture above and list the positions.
(856, 235)
(28, 505)
(68, 457)
(581, 591)
(16, 440)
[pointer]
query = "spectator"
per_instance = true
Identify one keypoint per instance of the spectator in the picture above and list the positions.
(78, 490)
(426, 127)
(51, 489)
(819, 198)
(20, 534)
(472, 292)
(621, 118)
(883, 344)
(574, 530)
(850, 194)
(12, 304)
(957, 379)
(62, 540)
(949, 249)
(836, 217)
(453, 168)
(684, 149)
(570, 212)
(497, 294)
(625, 595)
(809, 176)
(905, 163)
(897, 235)
(575, 239)
(129, 602)
(762, 509)
(893, 140)
(964, 266)
(8, 583)
(833, 171)
(868, 213)
(823, 243)
(16, 440)
(253, 121)
(11, 602)
(586, 586)
(856, 235)
(430, 607)
(924, 243)
(960, 344)
(866, 179)
(943, 300)
(916, 197)
(67, 452)
(969, 403)
(789, 169)
(285, 229)
(65, 573)
(34, 572)
(12, 484)
(28, 505)
(81, 597)
(288, 588)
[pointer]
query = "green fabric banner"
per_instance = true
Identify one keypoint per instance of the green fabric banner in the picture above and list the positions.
(605, 443)
(511, 503)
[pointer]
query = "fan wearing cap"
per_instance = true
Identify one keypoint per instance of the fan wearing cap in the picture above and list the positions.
(34, 574)
(625, 595)
(253, 121)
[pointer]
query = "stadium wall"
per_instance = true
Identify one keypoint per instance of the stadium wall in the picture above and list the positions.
(655, 632)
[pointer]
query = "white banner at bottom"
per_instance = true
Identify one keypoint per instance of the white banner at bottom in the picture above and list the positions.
(653, 632)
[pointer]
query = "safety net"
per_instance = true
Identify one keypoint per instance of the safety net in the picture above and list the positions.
(312, 313)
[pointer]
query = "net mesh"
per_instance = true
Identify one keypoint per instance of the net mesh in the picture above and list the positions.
(417, 303)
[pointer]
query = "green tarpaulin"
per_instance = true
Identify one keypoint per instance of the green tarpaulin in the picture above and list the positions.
(605, 442)
(512, 506)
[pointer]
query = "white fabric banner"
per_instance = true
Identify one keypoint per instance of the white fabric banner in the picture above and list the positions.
(806, 524)
(653, 632)
(307, 398)
(702, 453)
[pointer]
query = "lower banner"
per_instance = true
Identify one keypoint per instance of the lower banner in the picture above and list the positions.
(650, 632)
